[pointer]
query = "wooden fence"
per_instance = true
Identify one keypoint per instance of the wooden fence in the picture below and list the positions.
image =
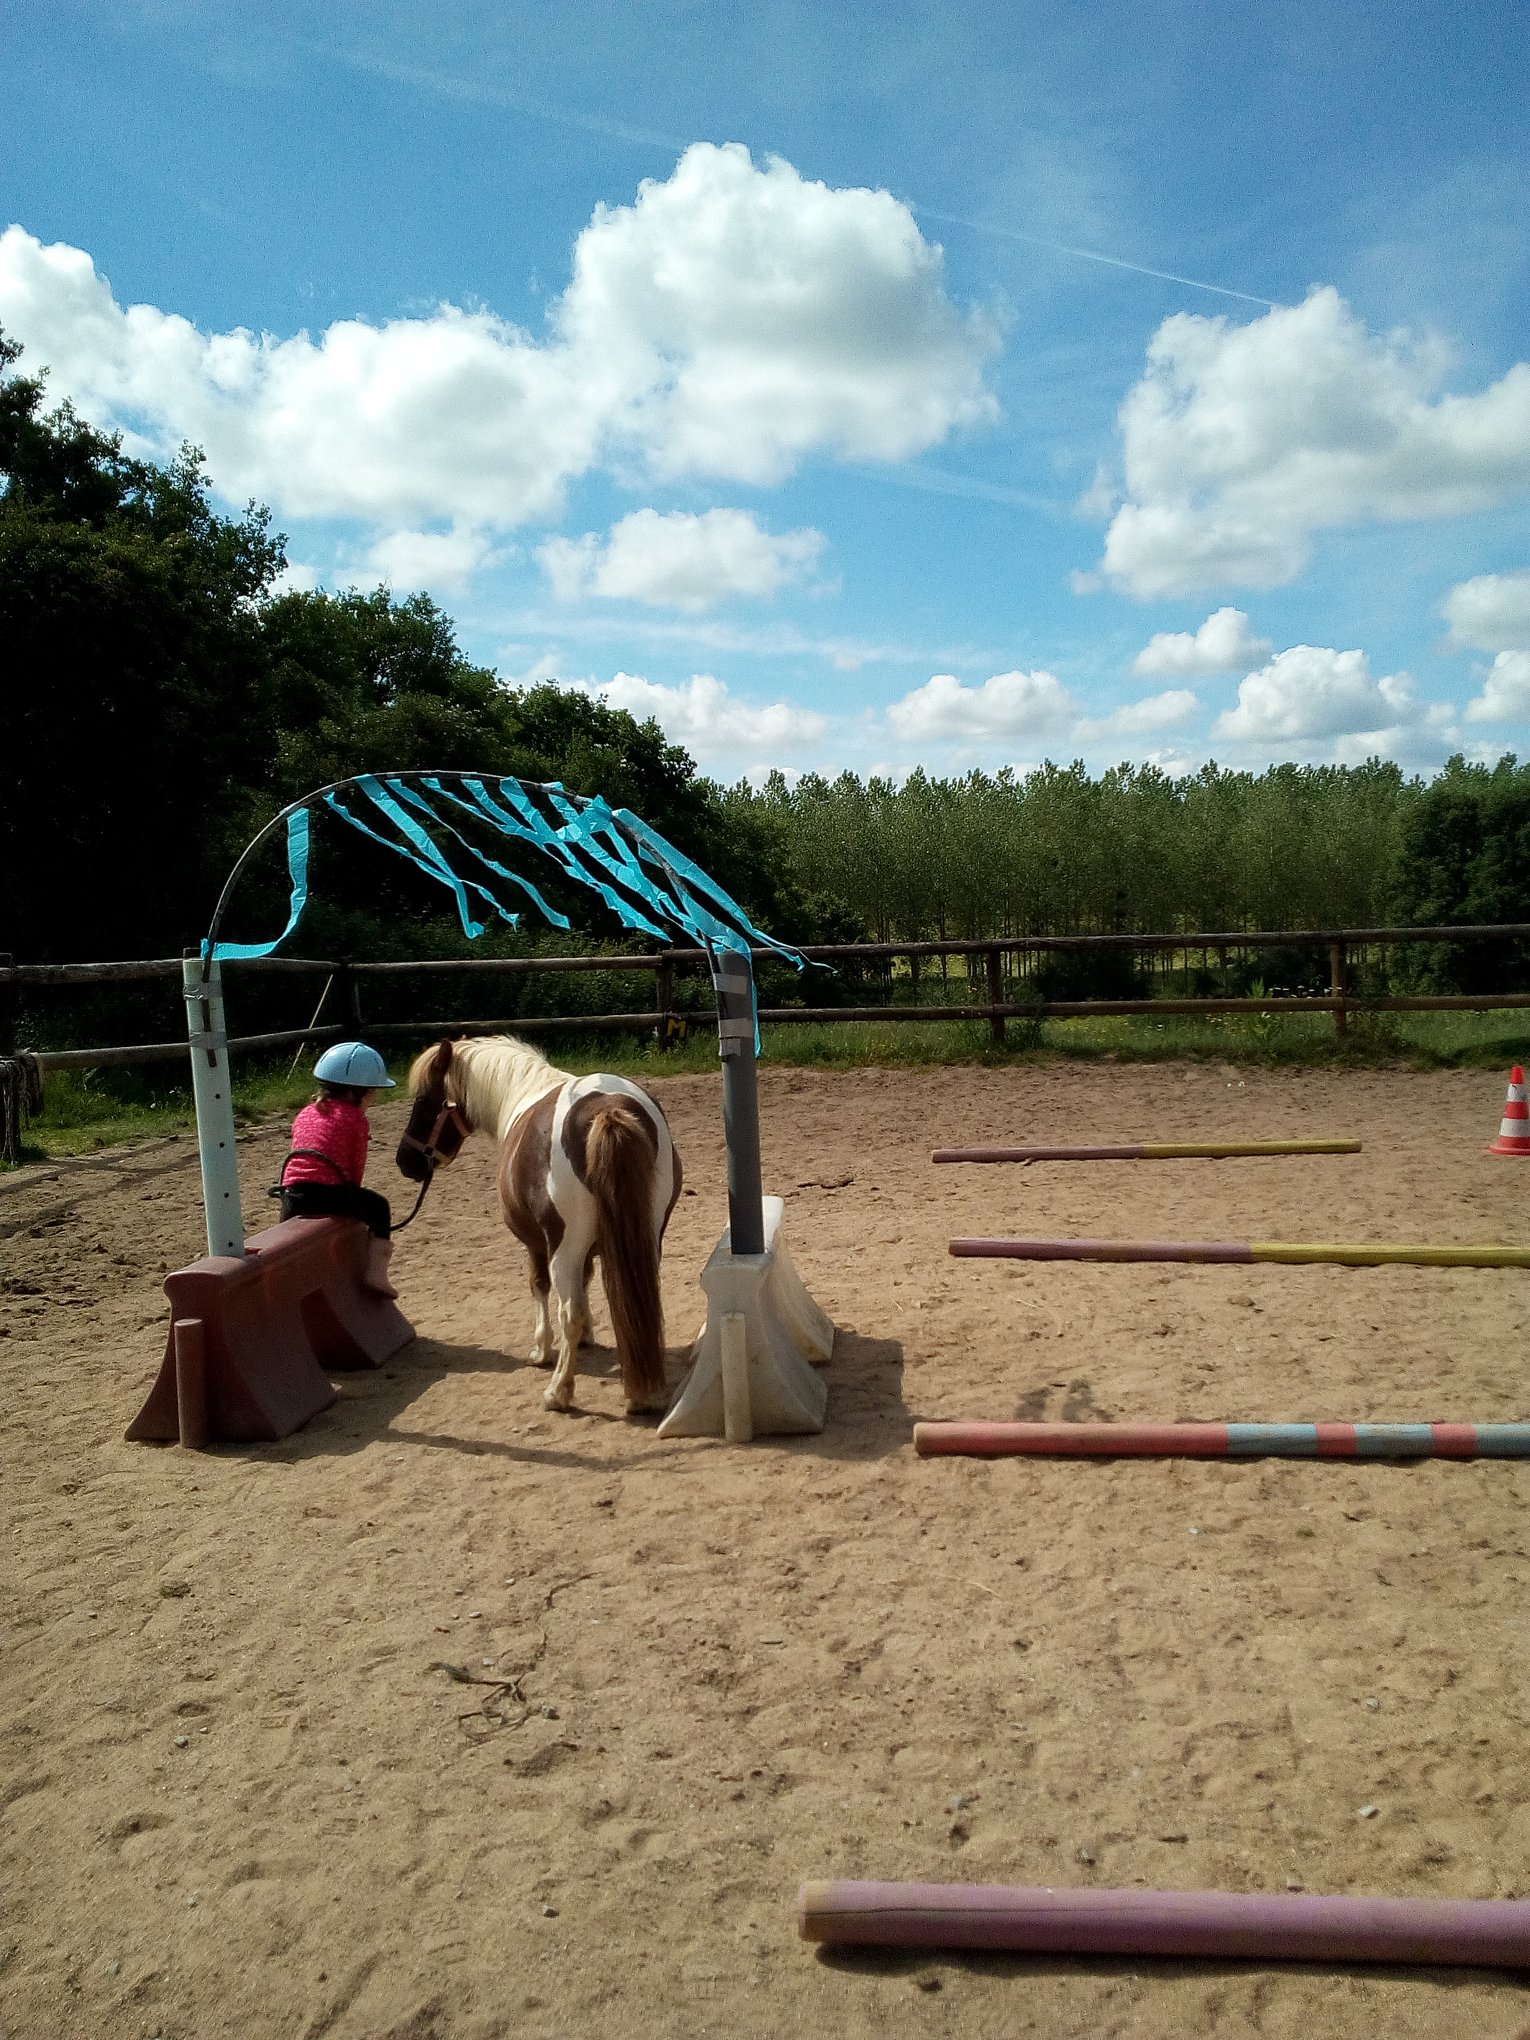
(344, 984)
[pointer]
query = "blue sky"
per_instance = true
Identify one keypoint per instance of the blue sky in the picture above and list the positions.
(859, 386)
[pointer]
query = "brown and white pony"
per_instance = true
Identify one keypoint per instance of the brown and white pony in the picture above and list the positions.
(586, 1167)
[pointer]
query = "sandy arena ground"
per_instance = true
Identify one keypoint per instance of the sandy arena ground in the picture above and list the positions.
(241, 1798)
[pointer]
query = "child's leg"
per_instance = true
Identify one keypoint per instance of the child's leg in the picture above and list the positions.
(379, 1254)
(373, 1211)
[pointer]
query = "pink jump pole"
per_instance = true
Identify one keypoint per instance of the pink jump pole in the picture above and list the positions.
(1243, 1253)
(1492, 1933)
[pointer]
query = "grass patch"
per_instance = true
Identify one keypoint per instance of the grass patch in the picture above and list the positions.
(87, 1110)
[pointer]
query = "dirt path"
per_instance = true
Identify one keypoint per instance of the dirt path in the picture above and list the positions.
(240, 1798)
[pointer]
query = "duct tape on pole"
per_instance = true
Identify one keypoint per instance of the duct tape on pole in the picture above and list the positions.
(212, 1090)
(733, 982)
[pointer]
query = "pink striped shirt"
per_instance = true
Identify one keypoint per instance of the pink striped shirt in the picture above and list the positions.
(336, 1129)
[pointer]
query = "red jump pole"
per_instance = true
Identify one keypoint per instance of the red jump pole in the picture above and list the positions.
(1492, 1933)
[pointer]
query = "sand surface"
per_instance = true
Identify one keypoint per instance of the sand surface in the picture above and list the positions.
(240, 1798)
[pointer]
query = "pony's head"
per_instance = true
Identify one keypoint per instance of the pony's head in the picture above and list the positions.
(437, 1124)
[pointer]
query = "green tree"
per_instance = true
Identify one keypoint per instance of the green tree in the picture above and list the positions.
(1464, 855)
(128, 611)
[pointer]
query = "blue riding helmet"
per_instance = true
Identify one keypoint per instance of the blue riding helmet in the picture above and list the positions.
(352, 1062)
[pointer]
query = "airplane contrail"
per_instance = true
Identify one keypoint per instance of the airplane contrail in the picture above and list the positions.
(1088, 255)
(484, 92)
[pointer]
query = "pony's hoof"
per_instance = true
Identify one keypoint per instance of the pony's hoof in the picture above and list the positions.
(553, 1400)
(649, 1405)
(542, 1359)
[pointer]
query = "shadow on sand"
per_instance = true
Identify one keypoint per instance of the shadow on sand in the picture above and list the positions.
(929, 1965)
(867, 1417)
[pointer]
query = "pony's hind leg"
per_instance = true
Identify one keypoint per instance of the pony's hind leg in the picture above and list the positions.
(570, 1315)
(542, 1338)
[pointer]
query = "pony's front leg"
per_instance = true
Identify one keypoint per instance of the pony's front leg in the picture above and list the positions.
(570, 1316)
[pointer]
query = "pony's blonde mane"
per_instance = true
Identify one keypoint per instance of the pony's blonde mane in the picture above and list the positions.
(492, 1077)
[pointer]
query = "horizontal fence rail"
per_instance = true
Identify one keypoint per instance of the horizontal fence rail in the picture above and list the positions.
(22, 974)
(347, 979)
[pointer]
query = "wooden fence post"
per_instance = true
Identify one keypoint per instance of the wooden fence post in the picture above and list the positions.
(663, 999)
(350, 999)
(996, 996)
(12, 1086)
(1338, 985)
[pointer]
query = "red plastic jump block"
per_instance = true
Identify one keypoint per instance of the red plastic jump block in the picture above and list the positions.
(251, 1341)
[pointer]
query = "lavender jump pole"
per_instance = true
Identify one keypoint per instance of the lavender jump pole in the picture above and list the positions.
(1489, 1933)
(1149, 1151)
(1360, 1254)
(1223, 1441)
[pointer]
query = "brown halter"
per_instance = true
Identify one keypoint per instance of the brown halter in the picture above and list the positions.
(443, 1143)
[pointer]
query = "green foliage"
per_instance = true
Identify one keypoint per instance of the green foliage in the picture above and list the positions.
(1464, 855)
(1059, 853)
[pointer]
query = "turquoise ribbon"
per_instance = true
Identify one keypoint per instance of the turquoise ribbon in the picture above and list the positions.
(297, 870)
(647, 883)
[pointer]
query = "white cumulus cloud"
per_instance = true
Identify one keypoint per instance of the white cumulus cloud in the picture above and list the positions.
(710, 721)
(1312, 692)
(1223, 644)
(1019, 705)
(1491, 612)
(1164, 711)
(757, 316)
(430, 559)
(678, 560)
(458, 416)
(1241, 441)
(731, 322)
(1505, 695)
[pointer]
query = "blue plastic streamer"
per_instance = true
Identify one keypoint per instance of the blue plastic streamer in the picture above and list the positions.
(297, 870)
(432, 867)
(559, 845)
(588, 827)
(688, 875)
(551, 912)
(661, 891)
(423, 806)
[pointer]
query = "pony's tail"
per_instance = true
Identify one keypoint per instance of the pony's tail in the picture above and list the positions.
(619, 1162)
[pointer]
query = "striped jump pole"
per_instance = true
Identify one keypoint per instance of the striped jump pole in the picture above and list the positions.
(1222, 1441)
(1358, 1254)
(1149, 1151)
(1488, 1933)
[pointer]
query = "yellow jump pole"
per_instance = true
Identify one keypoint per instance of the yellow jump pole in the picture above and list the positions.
(1364, 1255)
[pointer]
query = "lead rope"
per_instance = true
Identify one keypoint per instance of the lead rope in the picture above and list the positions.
(417, 1203)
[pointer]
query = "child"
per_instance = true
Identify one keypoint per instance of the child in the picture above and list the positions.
(322, 1176)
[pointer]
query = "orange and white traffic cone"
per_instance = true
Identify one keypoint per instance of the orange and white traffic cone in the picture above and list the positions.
(1514, 1134)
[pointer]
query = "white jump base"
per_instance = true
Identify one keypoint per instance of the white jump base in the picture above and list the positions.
(752, 1366)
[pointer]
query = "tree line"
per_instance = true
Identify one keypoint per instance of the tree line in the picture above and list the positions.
(1058, 852)
(167, 696)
